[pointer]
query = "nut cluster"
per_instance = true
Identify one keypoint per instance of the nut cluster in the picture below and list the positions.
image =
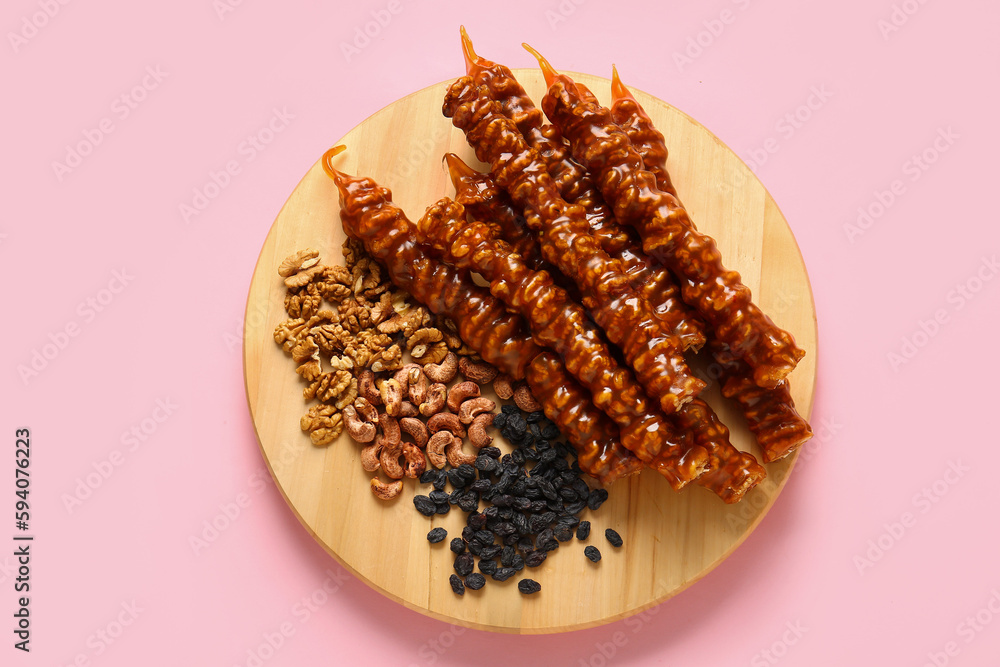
(348, 331)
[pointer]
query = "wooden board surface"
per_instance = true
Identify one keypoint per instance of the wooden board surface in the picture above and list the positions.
(671, 539)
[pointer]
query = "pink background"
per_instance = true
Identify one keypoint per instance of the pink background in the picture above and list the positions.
(866, 568)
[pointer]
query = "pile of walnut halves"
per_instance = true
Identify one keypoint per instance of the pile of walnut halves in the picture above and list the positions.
(600, 286)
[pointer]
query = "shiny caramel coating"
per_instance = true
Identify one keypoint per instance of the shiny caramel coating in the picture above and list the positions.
(500, 337)
(770, 413)
(653, 353)
(576, 185)
(667, 234)
(561, 324)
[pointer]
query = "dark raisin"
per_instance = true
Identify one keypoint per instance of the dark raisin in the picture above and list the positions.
(469, 502)
(456, 584)
(475, 548)
(456, 478)
(520, 487)
(509, 409)
(457, 545)
(438, 497)
(517, 562)
(563, 533)
(538, 505)
(503, 500)
(455, 496)
(481, 485)
(613, 537)
(440, 482)
(550, 431)
(507, 556)
(492, 512)
(520, 524)
(504, 573)
(491, 451)
(475, 581)
(521, 504)
(528, 586)
(517, 456)
(583, 530)
(507, 513)
(437, 535)
(597, 498)
(442, 508)
(525, 544)
(535, 558)
(489, 551)
(500, 420)
(485, 463)
(424, 505)
(475, 522)
(568, 494)
(468, 532)
(581, 487)
(428, 476)
(487, 566)
(464, 564)
(575, 508)
(484, 537)
(511, 540)
(555, 505)
(593, 553)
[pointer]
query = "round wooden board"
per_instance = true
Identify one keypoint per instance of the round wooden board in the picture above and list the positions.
(671, 539)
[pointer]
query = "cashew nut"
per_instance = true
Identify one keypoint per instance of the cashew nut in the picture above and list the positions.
(416, 462)
(436, 446)
(385, 491)
(391, 436)
(392, 395)
(389, 458)
(416, 429)
(479, 372)
(474, 406)
(477, 431)
(366, 387)
(435, 400)
(418, 386)
(360, 431)
(447, 421)
(503, 385)
(370, 456)
(407, 409)
(445, 371)
(524, 399)
(456, 456)
(366, 410)
(460, 392)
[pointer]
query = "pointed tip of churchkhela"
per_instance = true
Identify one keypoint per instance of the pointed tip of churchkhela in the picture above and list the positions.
(547, 69)
(471, 59)
(457, 168)
(618, 89)
(330, 170)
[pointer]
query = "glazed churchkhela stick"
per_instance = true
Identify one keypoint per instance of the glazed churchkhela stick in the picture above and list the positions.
(667, 234)
(560, 324)
(732, 472)
(627, 321)
(500, 337)
(576, 186)
(770, 413)
(484, 200)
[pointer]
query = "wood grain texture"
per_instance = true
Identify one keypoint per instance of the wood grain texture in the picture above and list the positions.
(671, 539)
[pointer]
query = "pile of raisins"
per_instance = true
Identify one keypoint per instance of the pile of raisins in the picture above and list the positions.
(532, 497)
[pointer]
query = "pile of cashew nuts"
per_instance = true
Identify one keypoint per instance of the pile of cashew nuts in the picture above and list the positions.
(414, 418)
